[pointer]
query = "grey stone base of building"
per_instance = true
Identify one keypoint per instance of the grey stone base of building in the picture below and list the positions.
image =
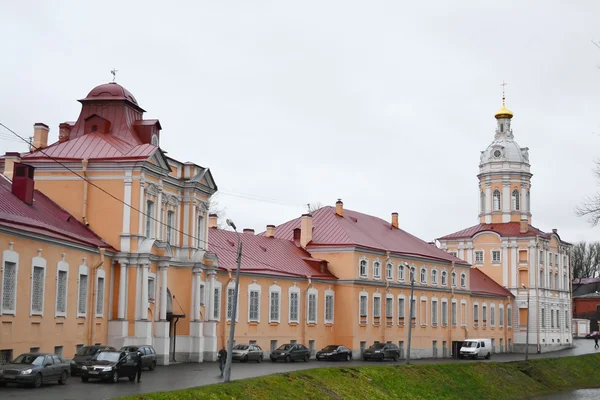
(533, 348)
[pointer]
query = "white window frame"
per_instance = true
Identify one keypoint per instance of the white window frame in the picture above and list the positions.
(492, 314)
(424, 299)
(254, 287)
(484, 314)
(401, 310)
(434, 306)
(423, 275)
(83, 270)
(496, 194)
(499, 253)
(151, 296)
(476, 313)
(389, 271)
(216, 311)
(501, 315)
(38, 262)
(62, 266)
(401, 272)
(444, 280)
(453, 278)
(463, 280)
(310, 292)
(516, 200)
(412, 273)
(296, 290)
(200, 229)
(378, 314)
(149, 223)
(203, 293)
(231, 286)
(389, 315)
(170, 227)
(434, 278)
(366, 264)
(377, 269)
(361, 316)
(444, 314)
(464, 318)
(509, 316)
(272, 290)
(101, 274)
(476, 260)
(10, 256)
(329, 294)
(454, 313)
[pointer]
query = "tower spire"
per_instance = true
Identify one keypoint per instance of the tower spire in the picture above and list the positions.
(503, 84)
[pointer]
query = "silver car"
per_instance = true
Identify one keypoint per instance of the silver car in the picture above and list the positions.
(247, 352)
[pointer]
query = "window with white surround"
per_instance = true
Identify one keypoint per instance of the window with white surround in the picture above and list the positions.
(401, 310)
(10, 272)
(401, 272)
(389, 306)
(444, 278)
(495, 256)
(434, 311)
(453, 279)
(170, 221)
(484, 314)
(389, 271)
(496, 197)
(479, 256)
(82, 291)
(149, 218)
(476, 313)
(413, 308)
(363, 307)
(100, 287)
(62, 279)
(434, 277)
(311, 314)
(541, 281)
(453, 312)
(294, 304)
(151, 287)
(38, 281)
(423, 309)
(376, 270)
(413, 271)
(202, 294)
(453, 253)
(492, 314)
(543, 317)
(509, 316)
(501, 315)
(329, 306)
(463, 280)
(254, 302)
(229, 300)
(376, 305)
(463, 312)
(482, 202)
(423, 275)
(516, 200)
(444, 312)
(200, 233)
(567, 316)
(565, 282)
(217, 301)
(556, 281)
(274, 303)
(364, 268)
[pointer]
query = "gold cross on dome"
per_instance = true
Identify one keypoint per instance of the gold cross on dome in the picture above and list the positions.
(503, 84)
(114, 73)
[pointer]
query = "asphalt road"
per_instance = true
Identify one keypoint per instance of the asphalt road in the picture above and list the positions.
(183, 376)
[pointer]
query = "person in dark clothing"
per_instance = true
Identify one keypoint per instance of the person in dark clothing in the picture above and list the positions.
(222, 359)
(596, 341)
(138, 361)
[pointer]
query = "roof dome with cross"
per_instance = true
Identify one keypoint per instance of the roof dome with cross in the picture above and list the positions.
(111, 91)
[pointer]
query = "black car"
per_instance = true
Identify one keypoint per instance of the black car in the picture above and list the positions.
(34, 369)
(148, 355)
(109, 366)
(381, 351)
(290, 352)
(85, 354)
(334, 352)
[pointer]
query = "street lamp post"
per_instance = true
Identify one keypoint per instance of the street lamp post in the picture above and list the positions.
(227, 372)
(527, 339)
(410, 315)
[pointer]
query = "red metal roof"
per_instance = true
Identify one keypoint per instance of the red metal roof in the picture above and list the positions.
(43, 217)
(481, 284)
(110, 91)
(511, 229)
(265, 255)
(358, 229)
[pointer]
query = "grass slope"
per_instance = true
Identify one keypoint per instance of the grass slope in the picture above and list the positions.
(461, 381)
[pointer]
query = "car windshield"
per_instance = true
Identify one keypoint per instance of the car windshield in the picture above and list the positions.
(330, 348)
(285, 347)
(469, 344)
(107, 356)
(377, 346)
(29, 359)
(241, 347)
(129, 349)
(87, 351)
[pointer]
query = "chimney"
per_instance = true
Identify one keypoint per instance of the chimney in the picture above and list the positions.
(395, 220)
(40, 136)
(249, 230)
(297, 236)
(22, 183)
(212, 220)
(270, 231)
(10, 159)
(306, 227)
(524, 224)
(555, 231)
(64, 132)
(339, 208)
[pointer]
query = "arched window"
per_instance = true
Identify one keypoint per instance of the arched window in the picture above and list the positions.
(516, 200)
(376, 270)
(482, 201)
(412, 274)
(453, 278)
(444, 278)
(423, 275)
(496, 200)
(389, 271)
(401, 272)
(434, 277)
(463, 280)
(363, 268)
(528, 202)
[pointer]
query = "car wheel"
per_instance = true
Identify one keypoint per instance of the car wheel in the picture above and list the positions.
(306, 357)
(488, 356)
(382, 357)
(84, 379)
(348, 357)
(37, 382)
(395, 358)
(288, 358)
(73, 373)
(245, 358)
(364, 358)
(259, 359)
(63, 378)
(115, 377)
(152, 366)
(131, 378)
(273, 360)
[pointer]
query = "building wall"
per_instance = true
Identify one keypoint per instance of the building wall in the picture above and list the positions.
(24, 331)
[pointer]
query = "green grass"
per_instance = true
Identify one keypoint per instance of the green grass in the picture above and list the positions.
(461, 381)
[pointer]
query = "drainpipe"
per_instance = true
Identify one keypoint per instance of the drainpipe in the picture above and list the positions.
(84, 164)
(91, 306)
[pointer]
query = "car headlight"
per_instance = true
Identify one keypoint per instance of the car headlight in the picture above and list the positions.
(106, 369)
(377, 351)
(26, 372)
(73, 362)
(84, 368)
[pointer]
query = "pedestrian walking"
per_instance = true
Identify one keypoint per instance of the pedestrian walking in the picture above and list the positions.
(222, 359)
(596, 341)
(139, 365)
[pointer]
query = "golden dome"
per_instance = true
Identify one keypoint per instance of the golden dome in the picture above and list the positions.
(503, 112)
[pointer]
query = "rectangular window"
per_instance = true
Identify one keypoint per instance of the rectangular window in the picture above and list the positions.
(328, 308)
(274, 314)
(566, 318)
(202, 294)
(453, 253)
(522, 256)
(376, 307)
(58, 350)
(61, 293)
(463, 314)
(254, 305)
(434, 312)
(501, 317)
(523, 314)
(82, 305)
(100, 297)
(217, 303)
(444, 313)
(200, 233)
(541, 256)
(401, 273)
(495, 256)
(170, 219)
(151, 289)
(312, 308)
(78, 347)
(493, 316)
(294, 306)
(34, 349)
(37, 290)
(389, 270)
(363, 306)
(273, 345)
(453, 314)
(423, 312)
(509, 317)
(557, 319)
(149, 217)
(478, 256)
(543, 318)
(230, 295)
(389, 304)
(484, 309)
(6, 356)
(413, 309)
(552, 318)
(550, 259)
(476, 313)
(401, 310)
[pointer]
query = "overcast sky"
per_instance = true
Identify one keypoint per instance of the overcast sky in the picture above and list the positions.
(384, 104)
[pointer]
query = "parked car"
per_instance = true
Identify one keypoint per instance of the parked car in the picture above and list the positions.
(148, 355)
(334, 352)
(85, 354)
(592, 335)
(109, 365)
(247, 352)
(290, 352)
(34, 369)
(475, 348)
(381, 351)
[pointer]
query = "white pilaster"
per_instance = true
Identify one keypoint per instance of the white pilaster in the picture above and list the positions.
(470, 253)
(142, 207)
(488, 203)
(514, 268)
(505, 264)
(122, 290)
(163, 293)
(523, 199)
(126, 228)
(506, 199)
(196, 306)
(144, 302)
(532, 263)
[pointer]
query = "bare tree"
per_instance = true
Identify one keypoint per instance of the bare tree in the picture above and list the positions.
(312, 207)
(590, 208)
(586, 259)
(215, 208)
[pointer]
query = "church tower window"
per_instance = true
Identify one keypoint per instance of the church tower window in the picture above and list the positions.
(528, 202)
(482, 201)
(516, 200)
(496, 200)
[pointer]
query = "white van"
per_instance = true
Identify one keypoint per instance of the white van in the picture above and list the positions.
(475, 348)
